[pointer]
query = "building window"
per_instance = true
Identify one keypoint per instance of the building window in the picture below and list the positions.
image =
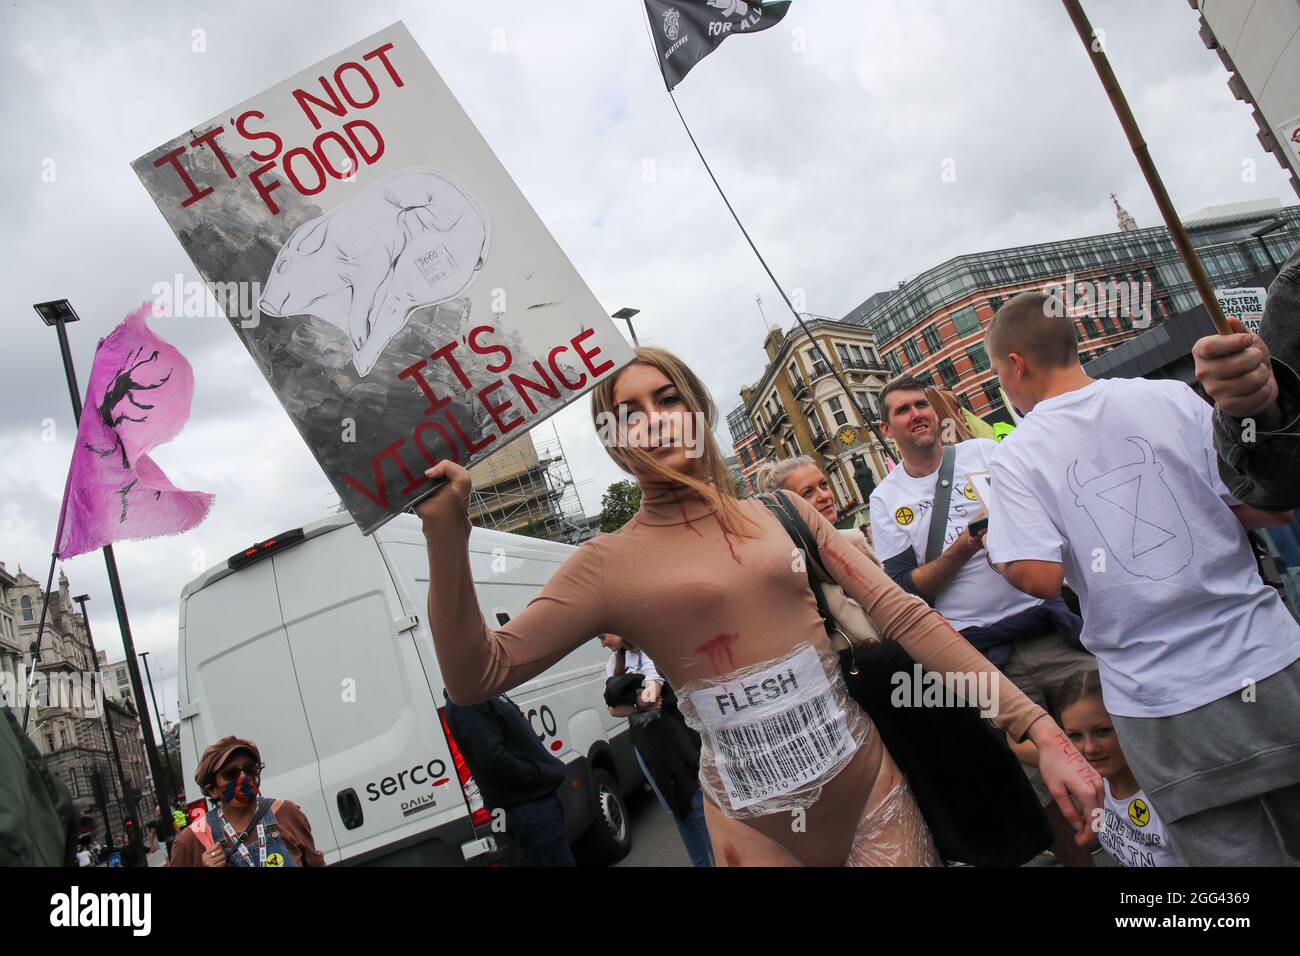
(995, 302)
(868, 355)
(819, 368)
(795, 377)
(979, 358)
(948, 373)
(1106, 324)
(967, 320)
(837, 411)
(931, 336)
(912, 352)
(865, 401)
(1090, 325)
(26, 605)
(49, 743)
(991, 393)
(123, 678)
(844, 353)
(894, 365)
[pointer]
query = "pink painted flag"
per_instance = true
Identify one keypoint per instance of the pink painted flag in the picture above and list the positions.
(139, 398)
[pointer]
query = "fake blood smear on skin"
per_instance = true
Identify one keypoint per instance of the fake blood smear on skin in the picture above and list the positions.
(853, 572)
(730, 855)
(727, 538)
(697, 531)
(718, 648)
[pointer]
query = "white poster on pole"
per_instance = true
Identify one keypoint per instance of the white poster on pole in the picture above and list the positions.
(1245, 303)
(402, 298)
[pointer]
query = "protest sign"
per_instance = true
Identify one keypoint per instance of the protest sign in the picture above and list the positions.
(391, 282)
(1245, 303)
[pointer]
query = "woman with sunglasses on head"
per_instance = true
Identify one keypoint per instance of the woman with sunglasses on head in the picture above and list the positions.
(792, 769)
(245, 828)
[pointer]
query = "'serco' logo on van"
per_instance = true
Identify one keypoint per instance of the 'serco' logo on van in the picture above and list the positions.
(433, 773)
(546, 717)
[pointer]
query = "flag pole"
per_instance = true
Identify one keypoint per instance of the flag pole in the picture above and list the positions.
(821, 354)
(1100, 62)
(40, 637)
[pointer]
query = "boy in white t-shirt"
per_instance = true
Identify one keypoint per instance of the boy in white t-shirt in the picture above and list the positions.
(1112, 487)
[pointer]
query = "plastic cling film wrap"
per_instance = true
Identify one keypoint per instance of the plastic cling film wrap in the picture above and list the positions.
(774, 733)
(893, 833)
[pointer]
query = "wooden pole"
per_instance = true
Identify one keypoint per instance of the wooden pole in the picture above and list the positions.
(1200, 278)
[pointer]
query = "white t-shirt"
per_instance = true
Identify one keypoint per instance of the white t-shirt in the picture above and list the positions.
(1133, 832)
(1118, 481)
(83, 858)
(901, 507)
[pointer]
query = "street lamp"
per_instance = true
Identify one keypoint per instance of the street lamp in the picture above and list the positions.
(626, 315)
(1273, 225)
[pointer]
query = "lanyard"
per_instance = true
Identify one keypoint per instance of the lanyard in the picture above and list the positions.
(239, 845)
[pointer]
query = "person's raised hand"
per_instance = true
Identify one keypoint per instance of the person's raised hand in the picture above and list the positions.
(1236, 372)
(1068, 775)
(214, 856)
(450, 496)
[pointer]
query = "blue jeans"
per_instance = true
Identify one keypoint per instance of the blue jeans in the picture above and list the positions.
(538, 830)
(692, 830)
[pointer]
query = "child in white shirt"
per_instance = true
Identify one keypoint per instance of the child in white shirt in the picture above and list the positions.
(1131, 830)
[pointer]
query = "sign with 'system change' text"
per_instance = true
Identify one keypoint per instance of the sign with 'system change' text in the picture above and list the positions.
(402, 298)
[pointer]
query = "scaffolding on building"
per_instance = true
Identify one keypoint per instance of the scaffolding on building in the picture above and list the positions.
(527, 488)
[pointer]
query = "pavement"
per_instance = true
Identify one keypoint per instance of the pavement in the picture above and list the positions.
(654, 835)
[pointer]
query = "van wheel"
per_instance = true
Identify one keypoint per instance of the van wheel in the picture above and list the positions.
(609, 838)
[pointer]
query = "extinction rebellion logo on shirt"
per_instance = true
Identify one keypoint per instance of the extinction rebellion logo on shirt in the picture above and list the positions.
(904, 516)
(1139, 813)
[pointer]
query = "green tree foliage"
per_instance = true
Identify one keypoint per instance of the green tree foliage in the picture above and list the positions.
(619, 503)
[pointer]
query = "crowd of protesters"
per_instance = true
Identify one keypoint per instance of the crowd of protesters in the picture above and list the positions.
(1111, 582)
(1149, 678)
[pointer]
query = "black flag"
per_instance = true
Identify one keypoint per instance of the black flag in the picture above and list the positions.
(686, 31)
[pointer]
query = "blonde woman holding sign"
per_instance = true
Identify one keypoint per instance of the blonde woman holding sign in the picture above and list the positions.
(792, 769)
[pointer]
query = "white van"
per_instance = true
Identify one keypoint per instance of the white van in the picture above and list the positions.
(314, 644)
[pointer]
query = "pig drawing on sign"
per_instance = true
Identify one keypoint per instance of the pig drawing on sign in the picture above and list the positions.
(414, 239)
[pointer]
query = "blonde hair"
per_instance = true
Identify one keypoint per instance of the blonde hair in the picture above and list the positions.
(715, 485)
(774, 474)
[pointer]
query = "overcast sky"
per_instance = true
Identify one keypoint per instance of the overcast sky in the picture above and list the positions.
(830, 132)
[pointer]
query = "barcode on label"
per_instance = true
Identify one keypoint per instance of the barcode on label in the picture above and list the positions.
(776, 754)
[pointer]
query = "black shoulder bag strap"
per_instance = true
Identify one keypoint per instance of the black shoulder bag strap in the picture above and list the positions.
(942, 498)
(803, 539)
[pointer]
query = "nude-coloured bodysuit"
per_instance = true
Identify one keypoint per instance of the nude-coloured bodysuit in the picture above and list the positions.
(704, 603)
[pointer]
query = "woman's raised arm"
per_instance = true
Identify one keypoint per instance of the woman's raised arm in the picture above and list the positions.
(477, 661)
